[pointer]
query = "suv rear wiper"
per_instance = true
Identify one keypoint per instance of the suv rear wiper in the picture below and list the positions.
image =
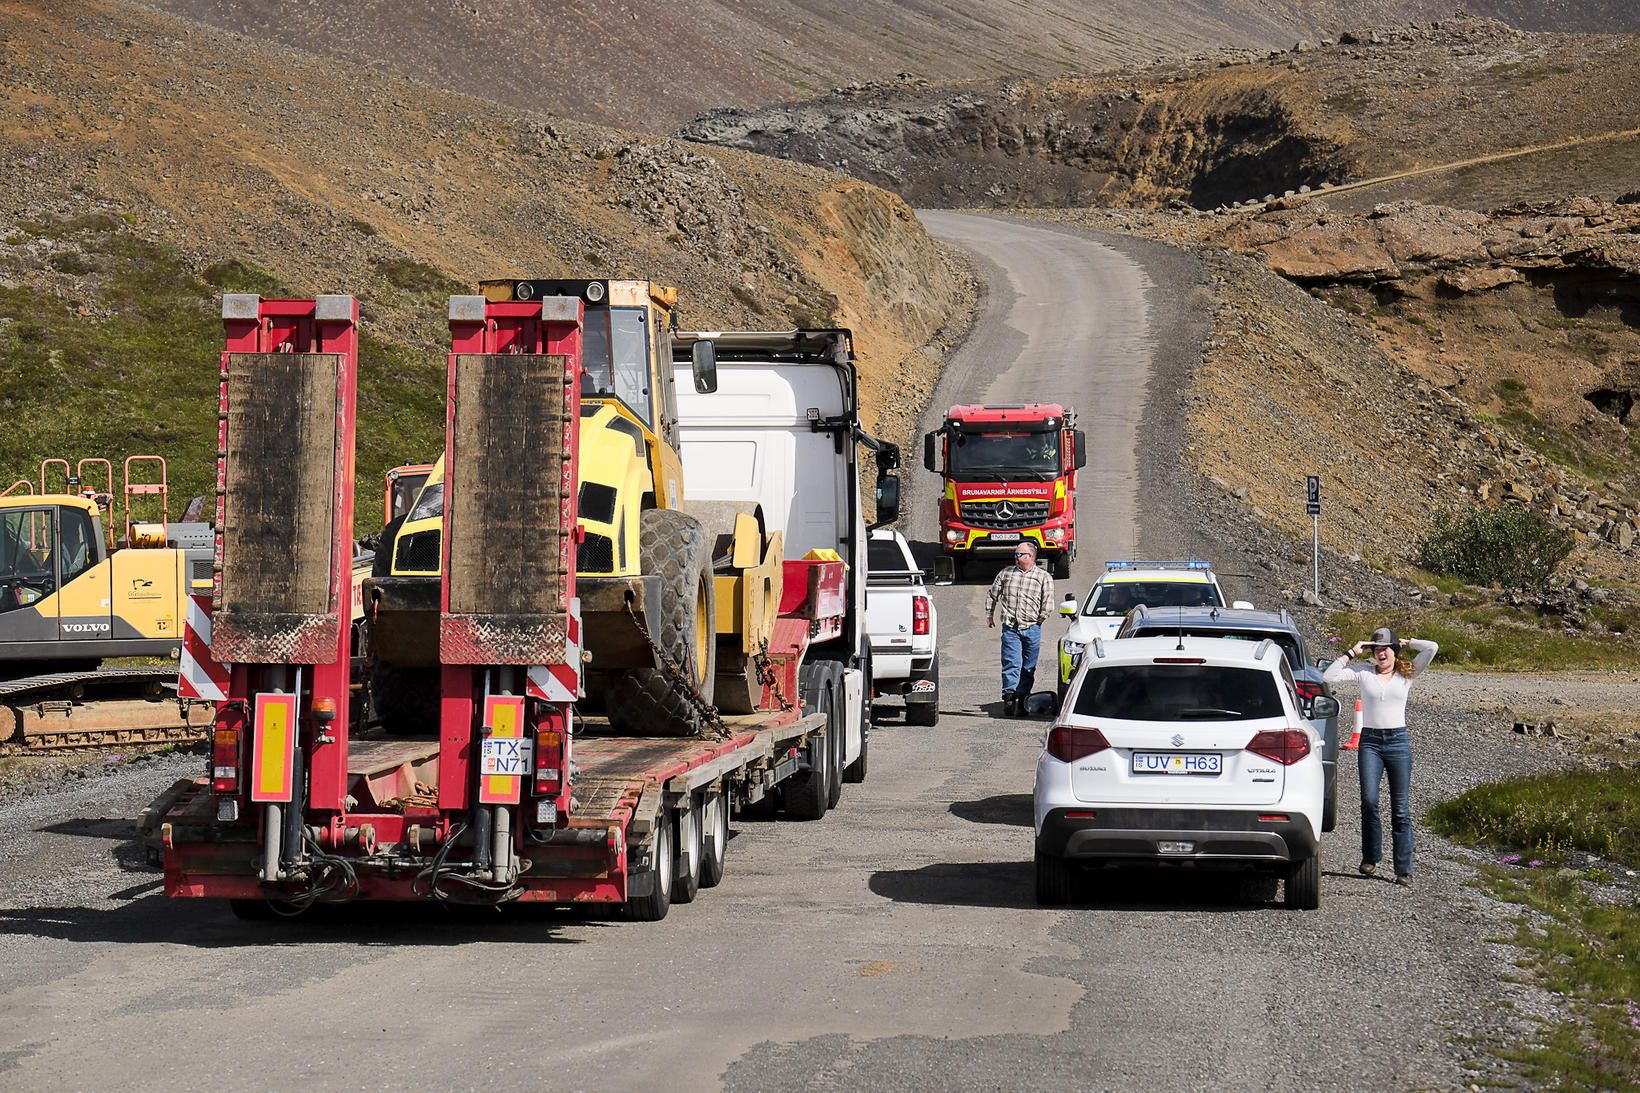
(1207, 712)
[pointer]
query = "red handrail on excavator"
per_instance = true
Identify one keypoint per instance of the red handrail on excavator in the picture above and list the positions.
(148, 489)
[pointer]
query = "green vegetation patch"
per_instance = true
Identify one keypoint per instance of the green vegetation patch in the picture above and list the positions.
(132, 368)
(1508, 546)
(1579, 942)
(1496, 637)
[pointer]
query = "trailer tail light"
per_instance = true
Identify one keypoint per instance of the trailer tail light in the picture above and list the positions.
(919, 614)
(1285, 746)
(549, 770)
(1068, 743)
(225, 761)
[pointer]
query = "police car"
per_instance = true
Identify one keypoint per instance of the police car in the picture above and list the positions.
(1124, 586)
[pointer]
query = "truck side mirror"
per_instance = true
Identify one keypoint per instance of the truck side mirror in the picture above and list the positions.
(888, 498)
(944, 570)
(1079, 445)
(931, 451)
(703, 362)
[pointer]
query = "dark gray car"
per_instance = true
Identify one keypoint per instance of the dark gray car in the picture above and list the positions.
(1253, 625)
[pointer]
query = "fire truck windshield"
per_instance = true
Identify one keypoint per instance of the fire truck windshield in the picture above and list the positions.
(990, 457)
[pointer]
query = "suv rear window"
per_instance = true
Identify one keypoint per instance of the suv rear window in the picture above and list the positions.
(1178, 692)
(1120, 597)
(1287, 642)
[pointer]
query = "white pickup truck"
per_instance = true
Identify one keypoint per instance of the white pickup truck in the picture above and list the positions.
(903, 627)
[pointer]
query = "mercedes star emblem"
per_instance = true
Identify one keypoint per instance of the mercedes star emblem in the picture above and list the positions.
(1005, 511)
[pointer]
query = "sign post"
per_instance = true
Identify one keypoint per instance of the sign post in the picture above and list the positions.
(1312, 505)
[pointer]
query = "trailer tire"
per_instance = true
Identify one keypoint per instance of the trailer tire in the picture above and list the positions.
(653, 907)
(926, 714)
(714, 826)
(686, 829)
(807, 793)
(674, 546)
(405, 701)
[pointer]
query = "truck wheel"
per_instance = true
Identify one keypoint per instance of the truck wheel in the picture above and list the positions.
(1062, 566)
(807, 792)
(647, 700)
(1304, 884)
(926, 714)
(686, 830)
(653, 907)
(856, 771)
(1053, 880)
(714, 822)
(405, 701)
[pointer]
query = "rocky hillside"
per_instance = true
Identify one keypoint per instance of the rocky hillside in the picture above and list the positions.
(1232, 126)
(651, 65)
(151, 164)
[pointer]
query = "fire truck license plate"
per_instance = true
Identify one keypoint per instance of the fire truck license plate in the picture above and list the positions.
(505, 756)
(1005, 536)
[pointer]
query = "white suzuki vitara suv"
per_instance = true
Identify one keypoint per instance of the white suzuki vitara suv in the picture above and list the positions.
(1184, 751)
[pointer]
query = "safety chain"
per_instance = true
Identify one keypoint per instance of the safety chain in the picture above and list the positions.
(767, 676)
(691, 693)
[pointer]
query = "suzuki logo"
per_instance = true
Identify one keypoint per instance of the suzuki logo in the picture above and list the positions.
(1178, 740)
(1005, 511)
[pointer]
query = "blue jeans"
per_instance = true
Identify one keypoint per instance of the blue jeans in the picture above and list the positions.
(1387, 750)
(1020, 646)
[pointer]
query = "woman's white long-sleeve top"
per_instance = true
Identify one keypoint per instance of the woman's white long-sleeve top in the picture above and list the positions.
(1383, 698)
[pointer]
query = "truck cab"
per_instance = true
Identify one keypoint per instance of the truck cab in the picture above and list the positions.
(1010, 474)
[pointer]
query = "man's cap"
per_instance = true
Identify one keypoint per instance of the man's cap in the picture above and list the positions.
(1385, 636)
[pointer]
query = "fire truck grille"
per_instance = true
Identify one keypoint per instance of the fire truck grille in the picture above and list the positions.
(1004, 515)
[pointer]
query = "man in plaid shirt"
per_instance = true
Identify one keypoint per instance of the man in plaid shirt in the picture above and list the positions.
(1024, 592)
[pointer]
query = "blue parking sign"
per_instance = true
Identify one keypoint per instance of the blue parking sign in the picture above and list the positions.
(1312, 496)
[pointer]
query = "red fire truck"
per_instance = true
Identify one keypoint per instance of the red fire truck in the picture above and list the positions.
(1010, 474)
(514, 788)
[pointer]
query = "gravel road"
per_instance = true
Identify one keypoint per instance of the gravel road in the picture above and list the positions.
(892, 946)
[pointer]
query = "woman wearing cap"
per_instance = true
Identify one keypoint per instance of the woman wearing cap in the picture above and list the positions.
(1385, 682)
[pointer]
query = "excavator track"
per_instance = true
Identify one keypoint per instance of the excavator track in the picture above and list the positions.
(109, 707)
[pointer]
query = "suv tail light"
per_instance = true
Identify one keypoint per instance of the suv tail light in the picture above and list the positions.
(1068, 743)
(1285, 746)
(919, 614)
(1309, 688)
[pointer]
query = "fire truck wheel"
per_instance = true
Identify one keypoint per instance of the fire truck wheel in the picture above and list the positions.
(1061, 566)
(714, 822)
(404, 701)
(807, 792)
(686, 837)
(653, 907)
(675, 547)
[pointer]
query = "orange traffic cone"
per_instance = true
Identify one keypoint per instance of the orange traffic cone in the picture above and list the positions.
(1355, 737)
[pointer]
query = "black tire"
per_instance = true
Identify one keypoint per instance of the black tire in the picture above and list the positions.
(653, 907)
(855, 772)
(1061, 566)
(405, 701)
(1329, 801)
(1053, 880)
(690, 852)
(675, 547)
(714, 829)
(807, 792)
(1304, 884)
(926, 714)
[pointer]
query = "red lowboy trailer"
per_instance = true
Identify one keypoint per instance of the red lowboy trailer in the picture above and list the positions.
(514, 793)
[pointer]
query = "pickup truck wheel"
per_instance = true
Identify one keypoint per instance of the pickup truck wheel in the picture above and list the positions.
(653, 907)
(807, 792)
(856, 771)
(687, 835)
(674, 546)
(926, 714)
(714, 822)
(1304, 885)
(405, 701)
(1053, 880)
